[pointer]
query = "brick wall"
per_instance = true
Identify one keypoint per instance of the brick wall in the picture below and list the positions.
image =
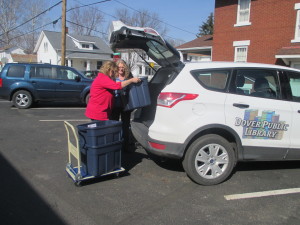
(272, 27)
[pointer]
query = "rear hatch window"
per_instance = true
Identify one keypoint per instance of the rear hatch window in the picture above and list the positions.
(122, 36)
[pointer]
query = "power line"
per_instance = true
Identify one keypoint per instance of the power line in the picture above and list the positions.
(85, 27)
(53, 22)
(95, 9)
(88, 5)
(154, 18)
(138, 12)
(33, 18)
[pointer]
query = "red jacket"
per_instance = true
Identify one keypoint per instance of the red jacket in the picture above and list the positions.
(101, 97)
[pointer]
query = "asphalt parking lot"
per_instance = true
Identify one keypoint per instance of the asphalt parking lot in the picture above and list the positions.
(35, 188)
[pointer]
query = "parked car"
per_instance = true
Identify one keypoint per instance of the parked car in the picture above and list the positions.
(24, 84)
(212, 115)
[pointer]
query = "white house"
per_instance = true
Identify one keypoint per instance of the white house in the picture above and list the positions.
(82, 52)
(139, 62)
(7, 52)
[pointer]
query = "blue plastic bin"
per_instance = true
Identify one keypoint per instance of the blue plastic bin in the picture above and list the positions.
(101, 160)
(99, 133)
(100, 146)
(138, 95)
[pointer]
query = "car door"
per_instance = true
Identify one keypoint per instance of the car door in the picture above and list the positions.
(293, 79)
(43, 79)
(70, 85)
(262, 120)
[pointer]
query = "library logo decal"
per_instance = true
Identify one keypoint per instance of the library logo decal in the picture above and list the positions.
(266, 126)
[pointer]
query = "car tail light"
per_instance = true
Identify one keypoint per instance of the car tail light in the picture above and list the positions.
(157, 146)
(1, 82)
(169, 99)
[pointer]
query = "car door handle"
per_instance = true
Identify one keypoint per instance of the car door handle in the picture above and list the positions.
(242, 106)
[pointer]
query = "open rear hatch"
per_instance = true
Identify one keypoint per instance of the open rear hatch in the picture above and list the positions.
(160, 51)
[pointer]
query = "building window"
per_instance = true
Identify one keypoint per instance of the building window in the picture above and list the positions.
(99, 64)
(85, 46)
(243, 13)
(297, 27)
(241, 50)
(45, 46)
(240, 54)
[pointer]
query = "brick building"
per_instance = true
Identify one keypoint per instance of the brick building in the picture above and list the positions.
(264, 31)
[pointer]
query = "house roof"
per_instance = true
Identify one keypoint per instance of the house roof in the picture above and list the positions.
(82, 55)
(292, 50)
(8, 47)
(205, 41)
(30, 58)
(100, 47)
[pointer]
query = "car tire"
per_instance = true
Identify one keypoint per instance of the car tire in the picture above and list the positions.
(209, 160)
(87, 98)
(22, 99)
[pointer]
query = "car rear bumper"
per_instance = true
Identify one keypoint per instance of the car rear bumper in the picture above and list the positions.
(170, 150)
(5, 97)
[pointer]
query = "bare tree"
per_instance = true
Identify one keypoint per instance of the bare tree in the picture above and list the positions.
(130, 57)
(175, 42)
(11, 14)
(142, 18)
(31, 33)
(85, 21)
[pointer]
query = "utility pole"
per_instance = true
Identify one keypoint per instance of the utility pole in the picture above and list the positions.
(63, 33)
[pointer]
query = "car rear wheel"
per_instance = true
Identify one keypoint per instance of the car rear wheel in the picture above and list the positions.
(22, 99)
(87, 98)
(209, 160)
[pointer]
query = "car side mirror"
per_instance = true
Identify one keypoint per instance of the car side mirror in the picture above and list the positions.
(77, 78)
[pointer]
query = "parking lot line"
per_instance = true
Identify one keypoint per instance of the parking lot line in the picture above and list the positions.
(62, 120)
(54, 108)
(262, 194)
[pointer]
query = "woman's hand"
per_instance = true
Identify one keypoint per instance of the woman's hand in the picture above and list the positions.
(132, 80)
(135, 80)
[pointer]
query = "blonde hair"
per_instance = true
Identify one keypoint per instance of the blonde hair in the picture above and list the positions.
(108, 66)
(126, 68)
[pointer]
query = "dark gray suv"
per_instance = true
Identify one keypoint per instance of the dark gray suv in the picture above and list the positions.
(24, 84)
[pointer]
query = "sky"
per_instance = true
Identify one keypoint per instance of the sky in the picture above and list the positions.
(181, 17)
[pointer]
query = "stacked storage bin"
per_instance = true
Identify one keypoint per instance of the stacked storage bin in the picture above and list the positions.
(100, 146)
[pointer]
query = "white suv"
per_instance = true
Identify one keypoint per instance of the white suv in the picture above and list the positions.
(214, 114)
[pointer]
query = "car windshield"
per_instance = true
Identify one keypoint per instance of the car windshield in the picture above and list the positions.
(82, 73)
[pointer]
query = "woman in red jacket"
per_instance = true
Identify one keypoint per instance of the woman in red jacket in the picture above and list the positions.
(101, 99)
